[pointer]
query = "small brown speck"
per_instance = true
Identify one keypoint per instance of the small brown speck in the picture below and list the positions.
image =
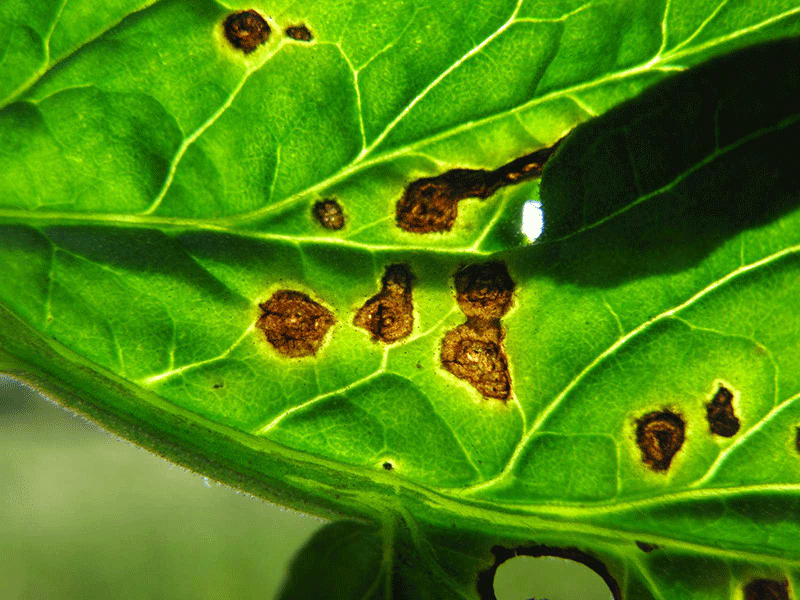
(299, 33)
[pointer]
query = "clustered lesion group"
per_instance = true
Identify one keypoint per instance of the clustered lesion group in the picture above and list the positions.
(297, 325)
(474, 351)
(661, 434)
(247, 30)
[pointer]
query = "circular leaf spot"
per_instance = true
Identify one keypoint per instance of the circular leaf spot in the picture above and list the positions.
(246, 30)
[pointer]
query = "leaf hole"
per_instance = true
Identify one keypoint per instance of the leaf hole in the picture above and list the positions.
(546, 573)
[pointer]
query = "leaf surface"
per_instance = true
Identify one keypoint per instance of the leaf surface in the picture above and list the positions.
(158, 189)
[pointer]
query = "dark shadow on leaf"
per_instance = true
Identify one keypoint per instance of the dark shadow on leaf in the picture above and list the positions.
(137, 250)
(658, 183)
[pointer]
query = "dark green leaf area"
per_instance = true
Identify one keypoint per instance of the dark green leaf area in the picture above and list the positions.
(341, 562)
(620, 347)
(386, 419)
(407, 560)
(713, 142)
(39, 36)
(382, 96)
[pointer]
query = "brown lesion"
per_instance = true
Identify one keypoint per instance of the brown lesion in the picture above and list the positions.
(484, 290)
(328, 213)
(430, 204)
(246, 30)
(659, 436)
(767, 589)
(389, 314)
(294, 324)
(474, 351)
(299, 33)
(722, 420)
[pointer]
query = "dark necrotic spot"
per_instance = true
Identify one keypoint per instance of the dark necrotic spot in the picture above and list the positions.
(430, 204)
(474, 352)
(388, 466)
(389, 314)
(294, 324)
(299, 33)
(719, 412)
(427, 206)
(645, 547)
(797, 439)
(659, 436)
(485, 583)
(329, 214)
(766, 589)
(246, 30)
(484, 290)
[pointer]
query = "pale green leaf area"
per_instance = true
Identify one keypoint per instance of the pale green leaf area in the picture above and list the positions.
(157, 184)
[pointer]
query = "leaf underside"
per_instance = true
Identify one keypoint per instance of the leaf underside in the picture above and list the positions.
(157, 200)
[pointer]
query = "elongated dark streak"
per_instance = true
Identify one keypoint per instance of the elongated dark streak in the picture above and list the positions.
(431, 204)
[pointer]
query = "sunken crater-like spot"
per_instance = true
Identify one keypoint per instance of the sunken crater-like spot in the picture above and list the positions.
(659, 436)
(389, 314)
(299, 33)
(766, 589)
(246, 30)
(721, 419)
(329, 214)
(430, 204)
(294, 324)
(484, 290)
(474, 352)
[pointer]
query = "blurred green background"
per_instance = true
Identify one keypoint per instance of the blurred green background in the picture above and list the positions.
(86, 516)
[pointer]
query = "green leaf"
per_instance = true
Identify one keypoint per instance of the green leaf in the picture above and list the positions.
(158, 193)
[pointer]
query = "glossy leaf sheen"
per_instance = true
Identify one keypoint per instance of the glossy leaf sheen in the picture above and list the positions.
(156, 186)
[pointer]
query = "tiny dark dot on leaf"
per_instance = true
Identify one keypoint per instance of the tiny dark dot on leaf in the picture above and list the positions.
(645, 547)
(388, 466)
(246, 30)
